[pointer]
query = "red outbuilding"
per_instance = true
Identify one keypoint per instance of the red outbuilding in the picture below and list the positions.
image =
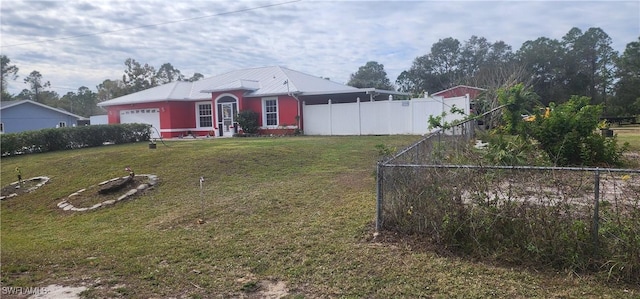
(460, 91)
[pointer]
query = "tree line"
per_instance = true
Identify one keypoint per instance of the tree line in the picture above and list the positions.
(83, 102)
(580, 63)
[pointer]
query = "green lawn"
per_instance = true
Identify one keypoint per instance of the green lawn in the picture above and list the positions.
(629, 134)
(294, 210)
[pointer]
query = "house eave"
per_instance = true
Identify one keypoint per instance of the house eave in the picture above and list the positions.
(359, 90)
(145, 101)
(384, 91)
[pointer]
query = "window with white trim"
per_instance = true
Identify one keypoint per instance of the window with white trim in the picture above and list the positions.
(1, 128)
(205, 115)
(61, 124)
(270, 112)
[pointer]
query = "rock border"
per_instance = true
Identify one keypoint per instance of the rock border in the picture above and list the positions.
(44, 180)
(65, 205)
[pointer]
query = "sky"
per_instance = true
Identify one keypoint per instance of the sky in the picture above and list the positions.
(82, 43)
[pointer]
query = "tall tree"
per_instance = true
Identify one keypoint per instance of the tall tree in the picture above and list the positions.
(544, 61)
(38, 90)
(167, 73)
(500, 52)
(82, 103)
(371, 75)
(434, 71)
(589, 62)
(138, 77)
(110, 89)
(473, 55)
(9, 72)
(419, 78)
(475, 62)
(445, 59)
(495, 66)
(195, 77)
(627, 89)
(25, 94)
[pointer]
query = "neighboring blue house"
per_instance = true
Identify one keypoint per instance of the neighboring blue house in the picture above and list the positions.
(20, 116)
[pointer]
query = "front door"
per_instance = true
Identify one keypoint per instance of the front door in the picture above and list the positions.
(228, 129)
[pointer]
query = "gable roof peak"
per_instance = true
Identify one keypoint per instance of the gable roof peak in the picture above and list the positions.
(8, 104)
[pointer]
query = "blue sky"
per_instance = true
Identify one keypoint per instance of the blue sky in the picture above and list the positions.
(82, 43)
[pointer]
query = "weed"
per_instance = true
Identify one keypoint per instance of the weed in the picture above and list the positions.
(250, 287)
(384, 151)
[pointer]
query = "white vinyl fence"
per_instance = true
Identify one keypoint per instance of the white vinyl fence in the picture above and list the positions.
(380, 117)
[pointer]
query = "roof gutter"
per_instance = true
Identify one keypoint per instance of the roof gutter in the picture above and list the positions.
(369, 91)
(382, 91)
(106, 104)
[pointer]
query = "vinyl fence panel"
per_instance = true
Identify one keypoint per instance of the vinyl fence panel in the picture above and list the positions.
(381, 117)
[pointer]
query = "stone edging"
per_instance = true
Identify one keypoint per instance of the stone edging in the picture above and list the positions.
(65, 205)
(44, 180)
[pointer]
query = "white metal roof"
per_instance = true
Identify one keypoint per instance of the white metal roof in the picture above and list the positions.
(178, 90)
(257, 82)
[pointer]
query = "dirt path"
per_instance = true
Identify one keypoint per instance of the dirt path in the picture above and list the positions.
(59, 292)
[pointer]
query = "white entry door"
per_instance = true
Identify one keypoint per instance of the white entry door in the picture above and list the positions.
(227, 119)
(149, 116)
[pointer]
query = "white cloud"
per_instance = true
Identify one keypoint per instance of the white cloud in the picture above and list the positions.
(323, 38)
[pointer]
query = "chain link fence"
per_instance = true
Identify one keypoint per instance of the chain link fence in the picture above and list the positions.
(569, 217)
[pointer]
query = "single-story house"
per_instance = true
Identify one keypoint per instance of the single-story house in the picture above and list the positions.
(27, 115)
(208, 107)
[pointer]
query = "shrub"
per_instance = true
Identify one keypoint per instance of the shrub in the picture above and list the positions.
(565, 133)
(518, 101)
(568, 135)
(248, 121)
(46, 140)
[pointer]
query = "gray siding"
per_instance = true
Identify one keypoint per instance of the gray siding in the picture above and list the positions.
(27, 117)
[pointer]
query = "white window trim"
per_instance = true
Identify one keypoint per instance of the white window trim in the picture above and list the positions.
(198, 115)
(1, 128)
(264, 113)
(62, 124)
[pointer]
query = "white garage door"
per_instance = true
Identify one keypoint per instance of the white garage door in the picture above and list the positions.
(143, 116)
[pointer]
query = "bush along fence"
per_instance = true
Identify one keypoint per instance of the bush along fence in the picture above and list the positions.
(573, 218)
(56, 139)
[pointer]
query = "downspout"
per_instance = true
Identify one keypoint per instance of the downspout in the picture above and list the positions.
(299, 116)
(372, 94)
(217, 130)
